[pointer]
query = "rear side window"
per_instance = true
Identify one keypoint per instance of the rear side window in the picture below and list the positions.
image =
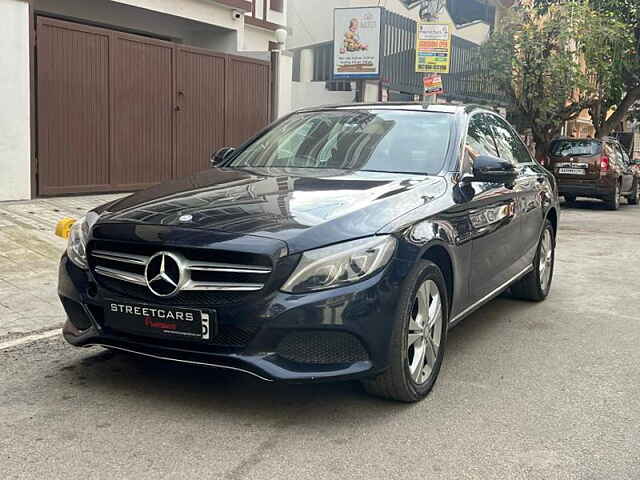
(575, 148)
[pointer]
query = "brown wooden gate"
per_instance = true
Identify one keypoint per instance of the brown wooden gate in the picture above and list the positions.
(120, 112)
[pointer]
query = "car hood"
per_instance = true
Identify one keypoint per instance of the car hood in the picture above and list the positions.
(303, 207)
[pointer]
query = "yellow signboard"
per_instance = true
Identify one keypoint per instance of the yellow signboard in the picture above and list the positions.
(433, 47)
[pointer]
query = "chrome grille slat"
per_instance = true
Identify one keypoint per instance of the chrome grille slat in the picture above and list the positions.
(187, 265)
(121, 257)
(226, 267)
(120, 275)
(221, 286)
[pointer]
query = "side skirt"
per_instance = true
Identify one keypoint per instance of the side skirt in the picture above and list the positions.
(487, 298)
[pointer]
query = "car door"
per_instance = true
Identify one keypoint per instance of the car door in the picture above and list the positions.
(532, 186)
(494, 231)
(627, 172)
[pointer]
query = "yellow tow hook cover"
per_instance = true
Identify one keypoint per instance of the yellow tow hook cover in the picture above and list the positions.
(63, 228)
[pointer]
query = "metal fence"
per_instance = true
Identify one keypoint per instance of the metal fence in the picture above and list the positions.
(467, 81)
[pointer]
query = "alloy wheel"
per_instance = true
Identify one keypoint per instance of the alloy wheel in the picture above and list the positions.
(546, 260)
(617, 199)
(424, 332)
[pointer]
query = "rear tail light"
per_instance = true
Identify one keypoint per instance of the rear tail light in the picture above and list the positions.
(604, 165)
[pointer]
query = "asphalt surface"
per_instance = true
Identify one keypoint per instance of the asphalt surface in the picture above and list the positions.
(535, 391)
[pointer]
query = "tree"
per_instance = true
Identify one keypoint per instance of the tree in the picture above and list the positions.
(619, 93)
(548, 60)
(618, 89)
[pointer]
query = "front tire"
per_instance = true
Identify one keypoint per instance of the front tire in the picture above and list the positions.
(536, 284)
(418, 339)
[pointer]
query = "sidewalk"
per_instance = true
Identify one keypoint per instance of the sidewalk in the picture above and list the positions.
(29, 254)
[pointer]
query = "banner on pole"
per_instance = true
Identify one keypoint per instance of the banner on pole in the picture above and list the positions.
(356, 42)
(433, 85)
(433, 47)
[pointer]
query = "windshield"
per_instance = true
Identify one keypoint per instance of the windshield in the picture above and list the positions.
(575, 148)
(386, 141)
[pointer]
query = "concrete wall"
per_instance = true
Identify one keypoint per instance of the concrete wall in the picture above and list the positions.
(199, 10)
(314, 94)
(15, 128)
(476, 32)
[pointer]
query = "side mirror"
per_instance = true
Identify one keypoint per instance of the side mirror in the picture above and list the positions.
(489, 169)
(220, 156)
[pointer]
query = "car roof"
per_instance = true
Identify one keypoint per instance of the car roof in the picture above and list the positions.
(415, 106)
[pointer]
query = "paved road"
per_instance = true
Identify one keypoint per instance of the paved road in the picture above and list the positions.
(531, 391)
(29, 254)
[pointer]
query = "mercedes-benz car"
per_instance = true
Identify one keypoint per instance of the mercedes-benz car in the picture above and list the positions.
(339, 243)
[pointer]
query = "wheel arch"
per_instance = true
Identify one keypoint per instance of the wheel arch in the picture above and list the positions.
(439, 255)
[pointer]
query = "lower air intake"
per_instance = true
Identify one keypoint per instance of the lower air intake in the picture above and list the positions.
(322, 348)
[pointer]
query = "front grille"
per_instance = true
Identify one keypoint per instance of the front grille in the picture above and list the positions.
(322, 348)
(209, 277)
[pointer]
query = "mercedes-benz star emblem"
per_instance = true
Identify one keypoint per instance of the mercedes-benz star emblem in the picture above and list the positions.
(163, 274)
(186, 218)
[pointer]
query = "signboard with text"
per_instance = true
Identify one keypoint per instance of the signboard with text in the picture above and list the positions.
(433, 47)
(356, 42)
(433, 85)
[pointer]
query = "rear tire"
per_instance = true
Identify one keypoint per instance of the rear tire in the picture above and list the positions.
(613, 199)
(536, 284)
(634, 197)
(570, 198)
(418, 339)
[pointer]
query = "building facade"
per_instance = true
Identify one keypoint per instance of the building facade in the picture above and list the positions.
(117, 95)
(311, 24)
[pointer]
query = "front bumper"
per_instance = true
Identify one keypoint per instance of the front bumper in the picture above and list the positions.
(358, 318)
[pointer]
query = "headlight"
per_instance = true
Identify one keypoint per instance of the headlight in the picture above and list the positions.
(340, 264)
(77, 245)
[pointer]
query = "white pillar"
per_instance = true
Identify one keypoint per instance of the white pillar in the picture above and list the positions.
(371, 92)
(15, 128)
(284, 87)
(306, 65)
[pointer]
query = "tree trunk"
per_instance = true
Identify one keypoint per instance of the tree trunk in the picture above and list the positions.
(541, 151)
(543, 138)
(618, 115)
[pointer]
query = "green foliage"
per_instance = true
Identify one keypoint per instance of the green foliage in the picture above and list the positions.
(553, 61)
(619, 85)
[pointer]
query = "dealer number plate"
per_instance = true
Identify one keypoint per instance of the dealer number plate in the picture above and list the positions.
(160, 321)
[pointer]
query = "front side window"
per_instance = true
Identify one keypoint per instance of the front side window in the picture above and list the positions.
(368, 140)
(509, 145)
(480, 140)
